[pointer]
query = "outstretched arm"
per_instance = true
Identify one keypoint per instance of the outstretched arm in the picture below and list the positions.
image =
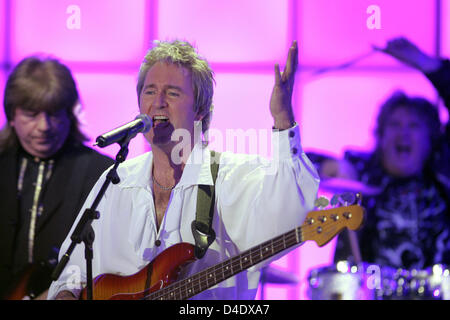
(435, 69)
(407, 52)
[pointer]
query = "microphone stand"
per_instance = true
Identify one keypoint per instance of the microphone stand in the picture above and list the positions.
(83, 231)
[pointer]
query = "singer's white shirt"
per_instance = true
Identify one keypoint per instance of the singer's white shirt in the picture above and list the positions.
(256, 200)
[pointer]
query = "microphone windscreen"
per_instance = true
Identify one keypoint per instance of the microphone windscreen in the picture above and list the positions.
(146, 120)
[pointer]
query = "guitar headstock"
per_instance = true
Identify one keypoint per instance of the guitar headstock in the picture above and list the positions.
(323, 225)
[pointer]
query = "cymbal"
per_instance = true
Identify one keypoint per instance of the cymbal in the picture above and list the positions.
(270, 274)
(347, 185)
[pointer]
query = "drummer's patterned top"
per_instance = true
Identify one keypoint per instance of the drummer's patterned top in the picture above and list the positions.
(407, 225)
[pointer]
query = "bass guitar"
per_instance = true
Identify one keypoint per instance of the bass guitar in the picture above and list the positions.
(158, 280)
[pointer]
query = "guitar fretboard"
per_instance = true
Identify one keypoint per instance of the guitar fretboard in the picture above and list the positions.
(209, 277)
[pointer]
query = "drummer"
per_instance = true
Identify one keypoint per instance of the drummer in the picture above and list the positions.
(407, 224)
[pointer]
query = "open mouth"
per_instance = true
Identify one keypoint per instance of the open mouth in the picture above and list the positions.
(160, 121)
(403, 150)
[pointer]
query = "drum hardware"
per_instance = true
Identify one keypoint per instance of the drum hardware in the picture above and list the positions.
(274, 275)
(363, 281)
(428, 284)
(338, 185)
(343, 281)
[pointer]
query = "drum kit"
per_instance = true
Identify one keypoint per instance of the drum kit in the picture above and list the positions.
(363, 281)
(346, 281)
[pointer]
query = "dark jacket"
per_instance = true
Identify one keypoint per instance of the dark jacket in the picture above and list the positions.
(76, 170)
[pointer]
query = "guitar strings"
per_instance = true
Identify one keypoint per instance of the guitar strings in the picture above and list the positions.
(278, 244)
(182, 286)
(205, 277)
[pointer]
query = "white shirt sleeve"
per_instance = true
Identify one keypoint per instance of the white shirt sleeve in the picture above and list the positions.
(258, 199)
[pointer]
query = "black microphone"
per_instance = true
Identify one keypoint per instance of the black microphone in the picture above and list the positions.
(128, 131)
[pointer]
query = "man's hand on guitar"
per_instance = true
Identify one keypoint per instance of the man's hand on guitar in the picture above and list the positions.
(65, 295)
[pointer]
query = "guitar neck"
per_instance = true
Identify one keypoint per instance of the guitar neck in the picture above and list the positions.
(207, 278)
(320, 226)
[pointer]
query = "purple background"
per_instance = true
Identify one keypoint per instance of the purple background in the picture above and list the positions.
(242, 39)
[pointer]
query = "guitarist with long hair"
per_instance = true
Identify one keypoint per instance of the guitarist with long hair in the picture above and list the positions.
(46, 172)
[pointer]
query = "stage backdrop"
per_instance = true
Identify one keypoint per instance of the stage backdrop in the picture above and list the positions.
(104, 41)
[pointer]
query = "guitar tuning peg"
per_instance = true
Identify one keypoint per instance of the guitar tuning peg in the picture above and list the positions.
(321, 202)
(348, 198)
(334, 200)
(359, 198)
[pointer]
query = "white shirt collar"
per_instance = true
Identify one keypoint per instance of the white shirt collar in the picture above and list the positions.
(137, 172)
(197, 169)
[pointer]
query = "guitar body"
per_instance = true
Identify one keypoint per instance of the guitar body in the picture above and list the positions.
(162, 271)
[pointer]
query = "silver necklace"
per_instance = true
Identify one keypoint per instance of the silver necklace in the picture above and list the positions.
(161, 186)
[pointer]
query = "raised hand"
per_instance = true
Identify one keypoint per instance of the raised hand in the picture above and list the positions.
(407, 52)
(281, 98)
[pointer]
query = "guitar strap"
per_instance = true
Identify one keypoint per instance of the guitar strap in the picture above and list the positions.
(201, 227)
